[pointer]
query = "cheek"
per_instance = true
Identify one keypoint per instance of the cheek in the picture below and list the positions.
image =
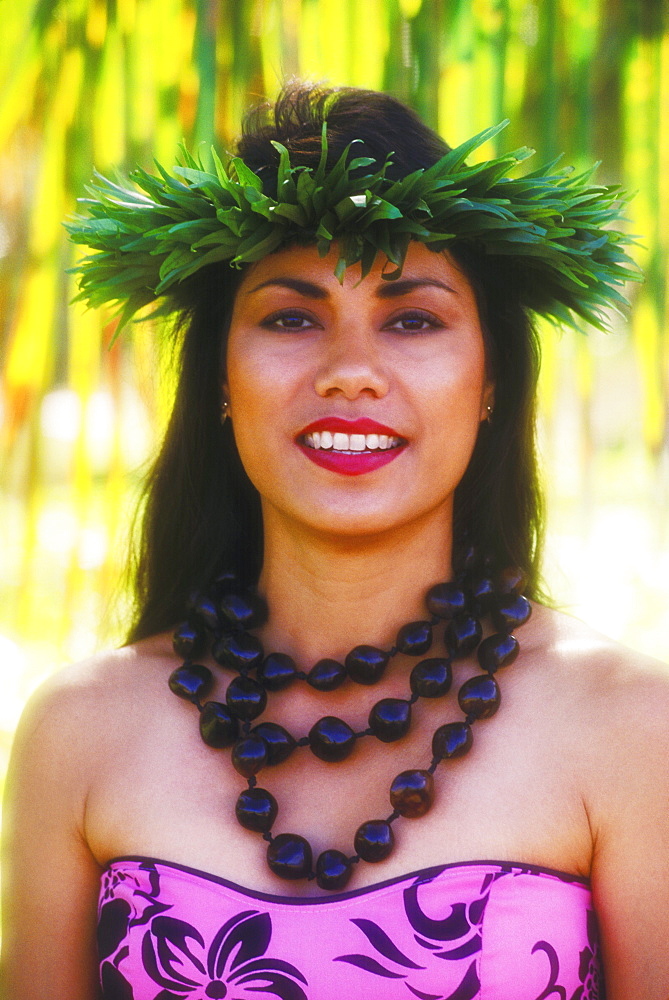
(456, 386)
(258, 388)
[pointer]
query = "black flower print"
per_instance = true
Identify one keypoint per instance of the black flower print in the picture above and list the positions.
(233, 966)
(114, 985)
(590, 966)
(589, 971)
(117, 916)
(454, 938)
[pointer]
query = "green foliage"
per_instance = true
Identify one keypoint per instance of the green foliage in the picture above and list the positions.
(149, 238)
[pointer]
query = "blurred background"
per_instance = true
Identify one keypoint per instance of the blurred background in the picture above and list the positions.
(113, 83)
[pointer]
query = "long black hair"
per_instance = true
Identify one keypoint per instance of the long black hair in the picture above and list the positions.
(199, 509)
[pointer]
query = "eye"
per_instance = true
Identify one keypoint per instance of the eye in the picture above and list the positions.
(413, 321)
(289, 320)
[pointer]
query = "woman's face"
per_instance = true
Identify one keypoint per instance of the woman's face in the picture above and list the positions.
(355, 407)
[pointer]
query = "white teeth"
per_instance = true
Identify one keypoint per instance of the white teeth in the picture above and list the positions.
(350, 442)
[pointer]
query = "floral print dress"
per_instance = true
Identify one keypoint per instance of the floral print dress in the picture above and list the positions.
(475, 931)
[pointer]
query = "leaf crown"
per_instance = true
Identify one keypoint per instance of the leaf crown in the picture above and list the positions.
(552, 225)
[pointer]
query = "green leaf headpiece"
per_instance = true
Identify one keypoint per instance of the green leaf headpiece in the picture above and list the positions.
(552, 225)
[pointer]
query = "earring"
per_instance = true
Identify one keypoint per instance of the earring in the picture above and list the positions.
(224, 411)
(489, 412)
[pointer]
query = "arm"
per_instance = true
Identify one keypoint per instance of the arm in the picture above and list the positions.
(630, 818)
(50, 879)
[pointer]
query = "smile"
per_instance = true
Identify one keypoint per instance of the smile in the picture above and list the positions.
(350, 442)
(350, 447)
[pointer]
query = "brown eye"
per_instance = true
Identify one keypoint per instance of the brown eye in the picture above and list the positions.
(413, 322)
(289, 320)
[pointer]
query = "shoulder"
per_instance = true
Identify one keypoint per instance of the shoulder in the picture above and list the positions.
(611, 677)
(615, 715)
(615, 703)
(81, 709)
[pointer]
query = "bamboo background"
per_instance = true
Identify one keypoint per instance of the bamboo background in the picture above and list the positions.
(110, 83)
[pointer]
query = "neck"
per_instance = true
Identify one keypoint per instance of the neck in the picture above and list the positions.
(326, 595)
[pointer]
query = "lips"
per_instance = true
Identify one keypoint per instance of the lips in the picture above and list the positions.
(350, 447)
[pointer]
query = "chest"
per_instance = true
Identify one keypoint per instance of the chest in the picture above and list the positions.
(514, 796)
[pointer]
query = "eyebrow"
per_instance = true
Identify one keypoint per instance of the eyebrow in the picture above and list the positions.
(388, 290)
(307, 288)
(402, 286)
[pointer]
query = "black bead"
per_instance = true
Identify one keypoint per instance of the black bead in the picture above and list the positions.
(511, 612)
(326, 675)
(462, 635)
(452, 740)
(218, 726)
(256, 809)
(366, 664)
(249, 755)
(414, 639)
(431, 678)
(483, 595)
(289, 856)
(280, 744)
(480, 696)
(333, 870)
(239, 651)
(512, 580)
(445, 600)
(243, 610)
(191, 681)
(498, 650)
(245, 698)
(331, 739)
(390, 719)
(189, 641)
(207, 611)
(277, 671)
(374, 840)
(412, 793)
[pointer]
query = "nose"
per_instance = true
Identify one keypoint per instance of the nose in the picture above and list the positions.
(353, 365)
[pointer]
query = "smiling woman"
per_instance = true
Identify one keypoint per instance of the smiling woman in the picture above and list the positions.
(401, 362)
(341, 537)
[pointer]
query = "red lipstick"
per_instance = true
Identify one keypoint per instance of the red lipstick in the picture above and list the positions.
(317, 441)
(363, 425)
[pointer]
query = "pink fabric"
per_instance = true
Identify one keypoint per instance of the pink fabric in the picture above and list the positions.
(495, 931)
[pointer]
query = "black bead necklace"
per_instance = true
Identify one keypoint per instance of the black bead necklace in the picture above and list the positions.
(222, 618)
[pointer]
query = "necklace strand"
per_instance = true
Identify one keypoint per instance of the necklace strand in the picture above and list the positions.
(221, 619)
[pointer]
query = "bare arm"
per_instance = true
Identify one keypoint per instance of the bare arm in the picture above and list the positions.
(50, 879)
(631, 829)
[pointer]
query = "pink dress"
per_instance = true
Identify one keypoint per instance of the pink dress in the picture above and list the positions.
(488, 930)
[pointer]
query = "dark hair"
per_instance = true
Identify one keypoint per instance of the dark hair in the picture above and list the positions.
(200, 510)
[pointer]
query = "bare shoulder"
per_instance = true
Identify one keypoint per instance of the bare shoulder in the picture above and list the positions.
(617, 702)
(611, 682)
(80, 708)
(72, 730)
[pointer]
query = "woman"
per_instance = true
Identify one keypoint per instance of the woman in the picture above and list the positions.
(349, 473)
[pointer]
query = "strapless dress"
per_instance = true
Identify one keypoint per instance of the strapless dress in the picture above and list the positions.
(481, 930)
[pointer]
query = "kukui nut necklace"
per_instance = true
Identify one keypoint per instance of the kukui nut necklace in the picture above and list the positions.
(222, 619)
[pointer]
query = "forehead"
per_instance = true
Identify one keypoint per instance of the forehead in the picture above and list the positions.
(421, 265)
